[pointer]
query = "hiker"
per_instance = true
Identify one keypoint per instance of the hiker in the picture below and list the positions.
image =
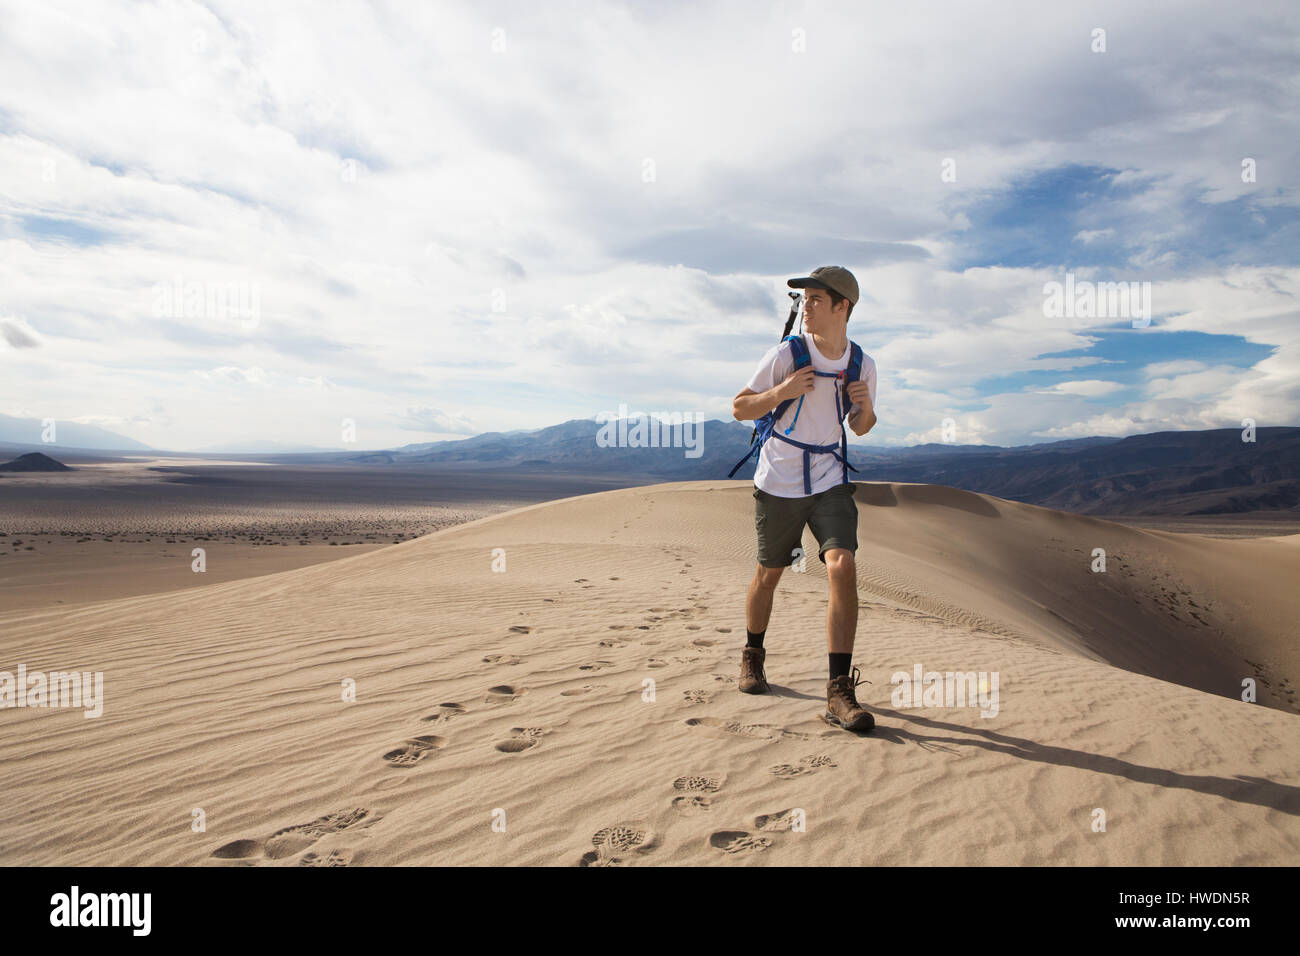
(802, 475)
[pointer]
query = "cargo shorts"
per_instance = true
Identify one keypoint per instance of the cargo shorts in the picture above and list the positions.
(831, 514)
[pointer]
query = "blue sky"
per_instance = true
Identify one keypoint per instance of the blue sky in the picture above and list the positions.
(227, 222)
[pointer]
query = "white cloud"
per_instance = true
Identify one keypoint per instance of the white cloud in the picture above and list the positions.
(1089, 388)
(1164, 369)
(239, 376)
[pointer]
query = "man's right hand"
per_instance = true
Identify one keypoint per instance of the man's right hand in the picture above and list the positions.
(801, 382)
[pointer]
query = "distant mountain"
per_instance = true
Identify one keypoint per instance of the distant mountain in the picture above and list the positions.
(1170, 473)
(261, 447)
(431, 445)
(29, 431)
(34, 461)
(1174, 473)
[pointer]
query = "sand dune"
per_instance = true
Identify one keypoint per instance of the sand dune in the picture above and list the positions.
(521, 696)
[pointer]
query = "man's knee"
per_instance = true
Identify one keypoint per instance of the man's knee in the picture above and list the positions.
(767, 577)
(840, 563)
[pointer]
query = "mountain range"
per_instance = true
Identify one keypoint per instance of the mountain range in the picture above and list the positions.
(1175, 473)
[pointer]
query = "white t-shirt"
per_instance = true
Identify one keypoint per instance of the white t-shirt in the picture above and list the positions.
(780, 464)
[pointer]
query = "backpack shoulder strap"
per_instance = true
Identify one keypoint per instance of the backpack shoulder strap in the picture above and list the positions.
(799, 349)
(801, 358)
(854, 371)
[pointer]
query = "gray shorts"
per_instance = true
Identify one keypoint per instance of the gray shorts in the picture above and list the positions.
(831, 514)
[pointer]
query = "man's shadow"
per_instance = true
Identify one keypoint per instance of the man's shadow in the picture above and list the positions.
(1240, 789)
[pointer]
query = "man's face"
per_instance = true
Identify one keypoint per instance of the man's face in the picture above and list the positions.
(819, 317)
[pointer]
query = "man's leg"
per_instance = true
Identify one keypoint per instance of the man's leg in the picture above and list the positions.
(758, 604)
(842, 705)
(779, 522)
(842, 610)
(835, 523)
(758, 608)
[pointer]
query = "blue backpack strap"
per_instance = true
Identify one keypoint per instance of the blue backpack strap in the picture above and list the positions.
(853, 372)
(799, 349)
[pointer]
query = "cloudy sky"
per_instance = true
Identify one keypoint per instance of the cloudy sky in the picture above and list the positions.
(225, 222)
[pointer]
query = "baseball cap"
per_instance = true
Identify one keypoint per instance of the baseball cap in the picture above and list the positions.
(835, 278)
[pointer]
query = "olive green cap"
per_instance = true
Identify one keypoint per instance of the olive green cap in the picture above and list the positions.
(836, 278)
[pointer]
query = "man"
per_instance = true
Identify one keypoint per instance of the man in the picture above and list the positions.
(782, 504)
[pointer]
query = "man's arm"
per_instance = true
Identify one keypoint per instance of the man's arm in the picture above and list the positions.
(863, 420)
(750, 405)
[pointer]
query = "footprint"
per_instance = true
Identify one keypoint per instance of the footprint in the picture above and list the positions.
(717, 725)
(520, 628)
(414, 750)
(725, 678)
(616, 845)
(691, 804)
(525, 738)
(609, 643)
(697, 696)
(738, 841)
(702, 641)
(332, 858)
(595, 665)
(617, 627)
(701, 783)
(806, 765)
(692, 627)
(502, 659)
(504, 694)
(655, 663)
(723, 630)
(781, 820)
(295, 839)
(239, 850)
(445, 713)
(584, 689)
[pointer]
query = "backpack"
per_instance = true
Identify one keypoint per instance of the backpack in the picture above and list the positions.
(765, 427)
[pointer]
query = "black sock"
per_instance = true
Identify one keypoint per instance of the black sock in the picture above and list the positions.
(840, 664)
(756, 640)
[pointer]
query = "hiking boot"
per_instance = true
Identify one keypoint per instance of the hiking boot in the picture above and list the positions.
(752, 678)
(842, 705)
